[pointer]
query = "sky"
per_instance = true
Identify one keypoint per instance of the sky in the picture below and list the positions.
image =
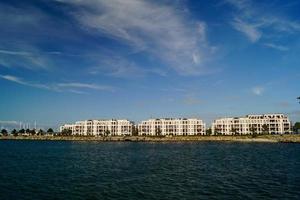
(67, 60)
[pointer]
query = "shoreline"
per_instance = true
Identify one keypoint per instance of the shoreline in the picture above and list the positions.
(289, 138)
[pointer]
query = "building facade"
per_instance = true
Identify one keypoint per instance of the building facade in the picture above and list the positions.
(252, 124)
(171, 126)
(111, 127)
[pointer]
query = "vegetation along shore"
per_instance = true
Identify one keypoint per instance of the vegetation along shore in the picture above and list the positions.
(287, 138)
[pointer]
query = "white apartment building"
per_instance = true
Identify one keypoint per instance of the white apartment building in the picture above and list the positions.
(171, 126)
(100, 127)
(251, 124)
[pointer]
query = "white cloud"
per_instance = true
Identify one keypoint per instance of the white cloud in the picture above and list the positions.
(12, 78)
(85, 85)
(26, 30)
(59, 87)
(15, 51)
(277, 47)
(117, 66)
(196, 58)
(32, 58)
(157, 28)
(258, 90)
(250, 30)
(19, 53)
(26, 53)
(23, 82)
(120, 67)
(19, 17)
(253, 21)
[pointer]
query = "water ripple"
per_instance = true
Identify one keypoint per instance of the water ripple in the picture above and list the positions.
(91, 170)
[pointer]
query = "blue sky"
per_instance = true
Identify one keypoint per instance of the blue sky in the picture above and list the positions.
(68, 60)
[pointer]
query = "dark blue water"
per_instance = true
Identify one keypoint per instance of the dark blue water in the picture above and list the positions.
(91, 170)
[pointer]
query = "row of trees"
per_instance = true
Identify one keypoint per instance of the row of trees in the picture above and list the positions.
(68, 132)
(253, 130)
(15, 132)
(158, 132)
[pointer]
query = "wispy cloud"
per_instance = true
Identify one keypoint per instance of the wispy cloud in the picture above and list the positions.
(25, 33)
(117, 66)
(23, 82)
(59, 87)
(13, 50)
(250, 30)
(254, 21)
(157, 28)
(17, 16)
(18, 53)
(31, 59)
(277, 47)
(26, 53)
(258, 90)
(86, 86)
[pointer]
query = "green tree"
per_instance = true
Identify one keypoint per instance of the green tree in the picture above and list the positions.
(158, 131)
(234, 131)
(27, 131)
(296, 127)
(4, 132)
(41, 132)
(135, 131)
(217, 131)
(253, 131)
(22, 131)
(107, 133)
(50, 131)
(265, 129)
(14, 132)
(66, 132)
(208, 131)
(32, 132)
